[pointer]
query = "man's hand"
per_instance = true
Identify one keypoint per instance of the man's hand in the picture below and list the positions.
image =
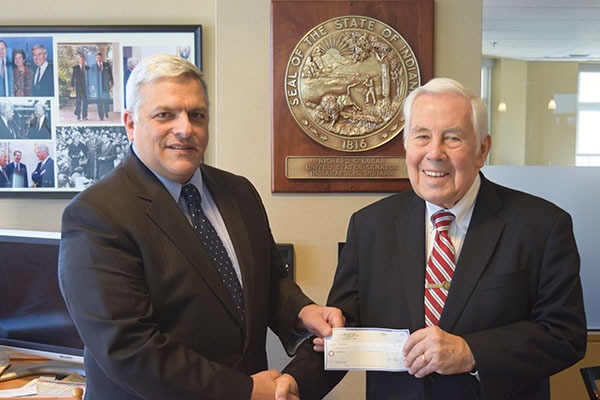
(319, 320)
(263, 387)
(434, 350)
(286, 388)
(319, 344)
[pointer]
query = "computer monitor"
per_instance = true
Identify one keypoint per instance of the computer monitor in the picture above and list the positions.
(33, 315)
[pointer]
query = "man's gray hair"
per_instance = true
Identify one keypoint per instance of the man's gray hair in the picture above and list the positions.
(154, 68)
(5, 107)
(39, 46)
(479, 117)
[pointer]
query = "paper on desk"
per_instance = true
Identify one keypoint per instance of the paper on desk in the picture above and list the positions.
(23, 391)
(50, 387)
(367, 349)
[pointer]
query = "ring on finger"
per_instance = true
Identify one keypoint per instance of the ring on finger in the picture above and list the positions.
(423, 358)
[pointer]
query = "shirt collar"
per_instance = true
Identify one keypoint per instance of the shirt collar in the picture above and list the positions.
(196, 180)
(174, 188)
(463, 209)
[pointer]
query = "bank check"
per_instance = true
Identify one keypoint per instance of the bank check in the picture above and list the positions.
(367, 349)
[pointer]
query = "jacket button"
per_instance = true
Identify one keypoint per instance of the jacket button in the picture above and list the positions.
(429, 380)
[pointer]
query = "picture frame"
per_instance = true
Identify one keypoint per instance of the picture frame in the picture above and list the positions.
(73, 109)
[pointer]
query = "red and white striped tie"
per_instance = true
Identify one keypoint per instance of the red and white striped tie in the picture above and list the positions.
(440, 268)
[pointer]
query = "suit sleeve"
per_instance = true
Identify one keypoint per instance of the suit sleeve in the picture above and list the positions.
(287, 299)
(307, 367)
(101, 274)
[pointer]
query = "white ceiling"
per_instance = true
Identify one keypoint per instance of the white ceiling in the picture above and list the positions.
(542, 29)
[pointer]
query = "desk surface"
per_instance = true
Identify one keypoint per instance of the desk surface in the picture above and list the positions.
(16, 383)
(20, 361)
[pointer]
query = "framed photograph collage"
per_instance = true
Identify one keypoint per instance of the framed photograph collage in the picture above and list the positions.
(62, 95)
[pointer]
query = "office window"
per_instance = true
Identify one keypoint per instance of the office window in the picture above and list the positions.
(588, 116)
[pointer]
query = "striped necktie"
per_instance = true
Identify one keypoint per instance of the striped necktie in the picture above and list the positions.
(214, 246)
(440, 268)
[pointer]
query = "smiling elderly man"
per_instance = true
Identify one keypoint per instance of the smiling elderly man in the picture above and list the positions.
(485, 278)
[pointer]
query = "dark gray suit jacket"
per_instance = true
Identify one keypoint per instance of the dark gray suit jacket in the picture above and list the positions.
(155, 317)
(45, 87)
(515, 297)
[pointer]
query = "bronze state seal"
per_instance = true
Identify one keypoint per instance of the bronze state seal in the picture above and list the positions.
(346, 82)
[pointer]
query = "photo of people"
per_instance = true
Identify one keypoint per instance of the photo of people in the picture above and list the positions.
(27, 164)
(86, 83)
(25, 119)
(26, 66)
(129, 62)
(85, 154)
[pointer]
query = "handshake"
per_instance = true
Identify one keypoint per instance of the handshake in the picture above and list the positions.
(319, 321)
(271, 384)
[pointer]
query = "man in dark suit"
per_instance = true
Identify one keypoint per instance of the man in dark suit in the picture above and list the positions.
(43, 176)
(8, 127)
(106, 155)
(93, 144)
(513, 312)
(39, 125)
(4, 176)
(6, 72)
(43, 77)
(79, 82)
(103, 75)
(153, 311)
(17, 171)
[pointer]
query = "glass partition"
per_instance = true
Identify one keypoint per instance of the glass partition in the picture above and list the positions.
(543, 95)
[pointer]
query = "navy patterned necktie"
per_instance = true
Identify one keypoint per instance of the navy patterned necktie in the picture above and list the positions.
(214, 246)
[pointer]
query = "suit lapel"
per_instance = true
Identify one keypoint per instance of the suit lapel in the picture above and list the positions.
(412, 249)
(481, 240)
(167, 216)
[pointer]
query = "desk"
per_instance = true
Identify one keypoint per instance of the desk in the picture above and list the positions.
(16, 383)
(19, 361)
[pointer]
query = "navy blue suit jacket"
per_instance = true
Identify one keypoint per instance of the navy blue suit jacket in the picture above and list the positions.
(43, 176)
(7, 82)
(515, 298)
(18, 179)
(4, 181)
(45, 87)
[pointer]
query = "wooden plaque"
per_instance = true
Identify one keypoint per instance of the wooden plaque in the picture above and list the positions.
(314, 147)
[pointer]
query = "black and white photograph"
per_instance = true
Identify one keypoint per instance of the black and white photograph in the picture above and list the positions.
(87, 153)
(25, 119)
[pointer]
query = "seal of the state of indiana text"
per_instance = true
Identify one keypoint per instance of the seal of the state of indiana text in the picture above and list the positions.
(346, 82)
